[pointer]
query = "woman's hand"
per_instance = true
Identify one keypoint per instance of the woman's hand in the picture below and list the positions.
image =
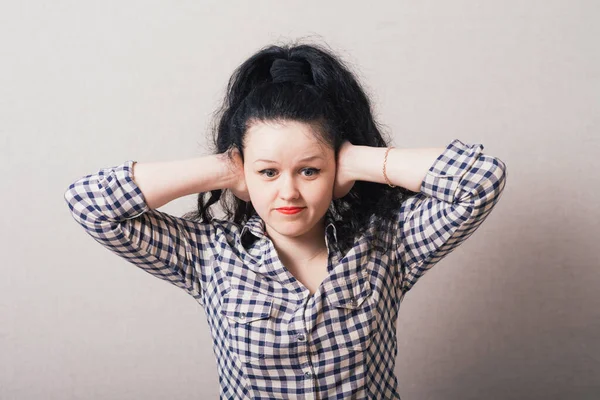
(238, 187)
(343, 179)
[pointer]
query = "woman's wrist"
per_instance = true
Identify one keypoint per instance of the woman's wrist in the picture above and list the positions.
(226, 173)
(364, 163)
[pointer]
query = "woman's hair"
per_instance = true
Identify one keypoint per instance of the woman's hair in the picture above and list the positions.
(309, 84)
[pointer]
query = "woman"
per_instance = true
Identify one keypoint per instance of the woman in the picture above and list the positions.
(326, 227)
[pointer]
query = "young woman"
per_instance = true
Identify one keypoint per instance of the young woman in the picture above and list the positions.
(326, 227)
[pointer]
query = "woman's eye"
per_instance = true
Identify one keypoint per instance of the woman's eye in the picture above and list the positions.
(268, 172)
(315, 171)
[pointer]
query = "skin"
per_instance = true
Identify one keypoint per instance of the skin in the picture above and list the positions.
(289, 182)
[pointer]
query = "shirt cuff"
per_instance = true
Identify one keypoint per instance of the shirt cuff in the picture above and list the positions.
(122, 196)
(443, 177)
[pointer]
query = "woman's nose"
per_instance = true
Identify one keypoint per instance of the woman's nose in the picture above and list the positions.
(288, 188)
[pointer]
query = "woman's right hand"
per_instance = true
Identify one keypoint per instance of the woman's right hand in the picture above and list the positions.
(238, 187)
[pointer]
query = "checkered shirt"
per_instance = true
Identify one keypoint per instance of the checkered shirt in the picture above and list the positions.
(271, 338)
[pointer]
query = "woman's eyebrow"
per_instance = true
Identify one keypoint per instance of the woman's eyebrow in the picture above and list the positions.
(309, 158)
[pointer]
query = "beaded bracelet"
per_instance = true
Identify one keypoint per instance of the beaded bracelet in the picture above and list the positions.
(384, 162)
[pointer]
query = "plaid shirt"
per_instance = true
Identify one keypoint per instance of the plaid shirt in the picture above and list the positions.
(271, 338)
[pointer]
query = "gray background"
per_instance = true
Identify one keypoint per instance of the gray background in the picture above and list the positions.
(514, 313)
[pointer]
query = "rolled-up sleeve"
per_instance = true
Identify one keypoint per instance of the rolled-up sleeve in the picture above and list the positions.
(111, 208)
(457, 194)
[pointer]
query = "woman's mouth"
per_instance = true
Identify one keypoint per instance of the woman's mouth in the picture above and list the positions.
(290, 210)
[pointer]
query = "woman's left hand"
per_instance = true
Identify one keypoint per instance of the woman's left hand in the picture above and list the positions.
(343, 179)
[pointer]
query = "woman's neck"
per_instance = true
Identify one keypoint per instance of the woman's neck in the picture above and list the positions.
(302, 249)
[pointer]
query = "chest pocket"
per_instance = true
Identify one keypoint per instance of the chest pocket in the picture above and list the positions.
(353, 312)
(253, 330)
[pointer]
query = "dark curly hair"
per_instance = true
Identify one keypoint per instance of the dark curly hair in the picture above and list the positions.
(328, 98)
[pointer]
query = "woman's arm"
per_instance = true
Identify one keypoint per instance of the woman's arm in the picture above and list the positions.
(404, 167)
(162, 182)
(457, 187)
(111, 206)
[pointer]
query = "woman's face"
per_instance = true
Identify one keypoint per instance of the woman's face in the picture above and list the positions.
(277, 175)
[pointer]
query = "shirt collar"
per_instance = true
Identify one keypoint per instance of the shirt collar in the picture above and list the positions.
(256, 226)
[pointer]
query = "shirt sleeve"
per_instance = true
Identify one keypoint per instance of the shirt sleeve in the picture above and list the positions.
(111, 208)
(457, 194)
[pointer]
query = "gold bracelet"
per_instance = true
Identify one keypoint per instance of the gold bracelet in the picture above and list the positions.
(384, 162)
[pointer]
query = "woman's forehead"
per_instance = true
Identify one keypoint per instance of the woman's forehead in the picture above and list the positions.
(274, 141)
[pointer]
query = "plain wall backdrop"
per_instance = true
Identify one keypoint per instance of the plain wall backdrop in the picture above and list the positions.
(89, 84)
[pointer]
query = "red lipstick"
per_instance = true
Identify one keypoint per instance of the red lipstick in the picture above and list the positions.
(290, 210)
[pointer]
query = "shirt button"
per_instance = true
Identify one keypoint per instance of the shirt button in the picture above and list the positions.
(307, 375)
(243, 316)
(301, 338)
